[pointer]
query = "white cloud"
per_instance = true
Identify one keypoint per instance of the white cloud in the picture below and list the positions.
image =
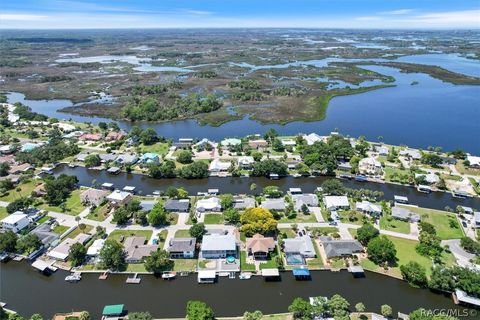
(398, 12)
(21, 17)
(369, 18)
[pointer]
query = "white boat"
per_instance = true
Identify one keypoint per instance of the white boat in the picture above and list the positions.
(296, 175)
(169, 275)
(74, 277)
(245, 276)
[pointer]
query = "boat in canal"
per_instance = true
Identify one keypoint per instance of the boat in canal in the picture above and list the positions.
(424, 189)
(169, 275)
(74, 277)
(245, 276)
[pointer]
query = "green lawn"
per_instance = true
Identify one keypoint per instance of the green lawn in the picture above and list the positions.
(396, 175)
(324, 230)
(77, 231)
(213, 218)
(73, 205)
(299, 218)
(288, 232)
(23, 190)
(351, 216)
(182, 234)
(315, 263)
(394, 225)
(442, 222)
(99, 213)
(116, 234)
(3, 212)
(160, 148)
(272, 261)
(136, 267)
(244, 266)
(43, 219)
(60, 229)
(185, 264)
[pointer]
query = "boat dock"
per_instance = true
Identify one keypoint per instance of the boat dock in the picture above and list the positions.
(133, 280)
(103, 276)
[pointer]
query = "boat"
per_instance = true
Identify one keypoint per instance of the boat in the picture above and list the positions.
(296, 175)
(169, 275)
(74, 277)
(245, 276)
(184, 274)
(360, 178)
(460, 194)
(72, 165)
(345, 176)
(424, 189)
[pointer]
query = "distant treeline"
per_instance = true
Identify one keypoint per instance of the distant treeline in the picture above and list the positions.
(48, 40)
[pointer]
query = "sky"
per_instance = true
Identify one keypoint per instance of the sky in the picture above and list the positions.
(383, 14)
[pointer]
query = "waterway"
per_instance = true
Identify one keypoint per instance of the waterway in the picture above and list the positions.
(28, 291)
(236, 185)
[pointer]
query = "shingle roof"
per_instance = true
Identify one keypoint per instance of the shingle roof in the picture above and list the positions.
(182, 244)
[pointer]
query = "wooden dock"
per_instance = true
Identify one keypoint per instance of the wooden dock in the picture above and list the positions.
(133, 280)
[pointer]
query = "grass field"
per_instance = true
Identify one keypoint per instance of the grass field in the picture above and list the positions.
(116, 234)
(182, 234)
(394, 225)
(272, 261)
(77, 231)
(3, 212)
(23, 190)
(442, 222)
(357, 217)
(315, 263)
(288, 232)
(99, 213)
(160, 148)
(73, 205)
(185, 264)
(213, 218)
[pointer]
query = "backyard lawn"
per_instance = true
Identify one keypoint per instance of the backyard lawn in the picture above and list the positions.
(272, 261)
(394, 225)
(116, 234)
(315, 263)
(445, 223)
(213, 218)
(160, 148)
(73, 205)
(3, 212)
(185, 264)
(100, 213)
(182, 234)
(25, 191)
(244, 266)
(162, 236)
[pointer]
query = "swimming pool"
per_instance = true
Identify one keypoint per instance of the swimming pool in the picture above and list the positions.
(230, 259)
(295, 259)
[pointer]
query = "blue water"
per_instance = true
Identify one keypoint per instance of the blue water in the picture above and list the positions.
(452, 62)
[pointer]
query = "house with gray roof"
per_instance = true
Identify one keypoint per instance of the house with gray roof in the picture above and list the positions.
(274, 204)
(45, 234)
(147, 205)
(243, 203)
(300, 245)
(182, 248)
(476, 220)
(340, 248)
(405, 215)
(369, 208)
(93, 196)
(82, 156)
(107, 157)
(217, 246)
(308, 199)
(177, 205)
(136, 249)
(126, 159)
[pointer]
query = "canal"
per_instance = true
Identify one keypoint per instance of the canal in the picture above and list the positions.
(236, 185)
(28, 291)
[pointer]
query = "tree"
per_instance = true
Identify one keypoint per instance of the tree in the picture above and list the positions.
(171, 192)
(92, 160)
(270, 134)
(139, 316)
(197, 310)
(386, 310)
(381, 250)
(198, 230)
(36, 316)
(112, 255)
(414, 273)
(158, 262)
(18, 205)
(269, 166)
(77, 254)
(57, 190)
(429, 245)
(84, 315)
(165, 169)
(226, 200)
(360, 307)
(333, 187)
(366, 233)
(195, 170)
(272, 192)
(157, 216)
(232, 215)
(8, 241)
(4, 168)
(470, 245)
(148, 136)
(255, 315)
(29, 243)
(338, 306)
(121, 215)
(427, 227)
(300, 308)
(185, 156)
(258, 220)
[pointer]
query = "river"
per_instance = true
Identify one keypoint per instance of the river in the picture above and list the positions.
(146, 185)
(28, 291)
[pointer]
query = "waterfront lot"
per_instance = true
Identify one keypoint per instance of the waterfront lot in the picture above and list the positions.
(391, 224)
(73, 205)
(22, 190)
(117, 234)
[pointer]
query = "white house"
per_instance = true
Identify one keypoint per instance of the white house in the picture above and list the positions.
(474, 161)
(368, 207)
(217, 165)
(95, 248)
(15, 222)
(209, 204)
(119, 198)
(336, 202)
(217, 246)
(299, 245)
(246, 162)
(312, 138)
(370, 166)
(430, 178)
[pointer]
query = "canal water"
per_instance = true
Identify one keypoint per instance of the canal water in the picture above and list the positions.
(146, 185)
(28, 291)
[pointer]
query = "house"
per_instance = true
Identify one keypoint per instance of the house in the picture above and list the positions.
(299, 246)
(126, 159)
(312, 138)
(45, 234)
(147, 205)
(182, 248)
(344, 166)
(381, 150)
(274, 204)
(308, 199)
(369, 208)
(149, 157)
(476, 220)
(205, 145)
(230, 142)
(15, 222)
(411, 153)
(216, 246)
(340, 248)
(93, 196)
(474, 161)
(61, 251)
(245, 162)
(21, 168)
(183, 143)
(115, 136)
(174, 205)
(336, 202)
(65, 127)
(90, 137)
(136, 249)
(209, 204)
(28, 147)
(95, 248)
(288, 142)
(370, 166)
(430, 178)
(405, 215)
(259, 246)
(119, 198)
(217, 165)
(243, 203)
(82, 156)
(258, 144)
(107, 157)
(7, 149)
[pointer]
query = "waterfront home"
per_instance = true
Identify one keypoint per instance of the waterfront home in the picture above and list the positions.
(344, 166)
(45, 234)
(15, 222)
(21, 168)
(217, 246)
(147, 205)
(288, 142)
(333, 203)
(93, 197)
(82, 156)
(132, 140)
(274, 204)
(369, 208)
(381, 150)
(340, 248)
(90, 137)
(95, 248)
(430, 178)
(218, 166)
(243, 203)
(136, 249)
(230, 142)
(258, 144)
(476, 220)
(182, 248)
(405, 215)
(119, 198)
(209, 204)
(312, 138)
(205, 145)
(292, 164)
(245, 162)
(259, 246)
(107, 157)
(115, 136)
(307, 199)
(411, 153)
(126, 159)
(65, 127)
(473, 161)
(61, 251)
(174, 205)
(370, 166)
(149, 157)
(183, 143)
(297, 249)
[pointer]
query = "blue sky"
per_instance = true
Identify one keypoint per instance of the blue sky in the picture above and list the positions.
(57, 14)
